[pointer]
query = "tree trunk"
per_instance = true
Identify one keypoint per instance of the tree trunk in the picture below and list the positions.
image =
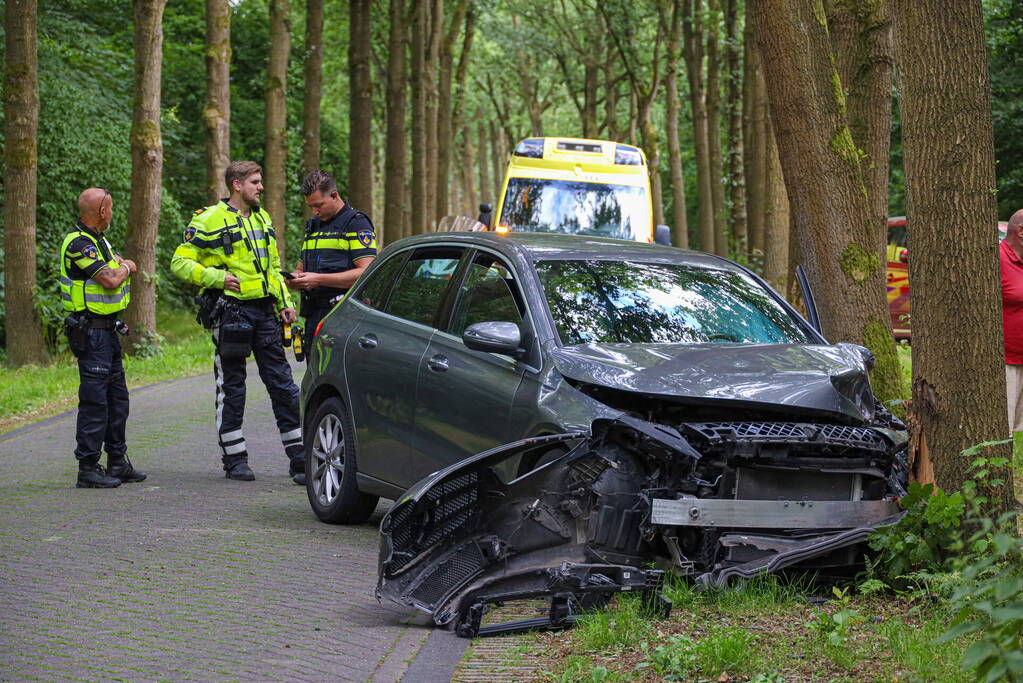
(610, 95)
(146, 173)
(693, 52)
(958, 376)
(394, 166)
(360, 113)
(754, 113)
(671, 16)
(498, 159)
(651, 145)
(217, 113)
(313, 87)
(827, 189)
(420, 31)
(776, 218)
(717, 189)
(21, 123)
(467, 173)
(733, 105)
(276, 158)
(487, 194)
(445, 113)
(436, 37)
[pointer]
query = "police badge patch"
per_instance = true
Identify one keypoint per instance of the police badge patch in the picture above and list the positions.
(365, 237)
(89, 251)
(189, 233)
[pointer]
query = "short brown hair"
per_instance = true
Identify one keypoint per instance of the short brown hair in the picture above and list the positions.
(239, 170)
(318, 180)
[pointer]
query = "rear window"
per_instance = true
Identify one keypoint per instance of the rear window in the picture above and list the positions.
(420, 289)
(576, 208)
(631, 302)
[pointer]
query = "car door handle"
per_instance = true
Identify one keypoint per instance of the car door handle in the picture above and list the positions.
(368, 341)
(437, 363)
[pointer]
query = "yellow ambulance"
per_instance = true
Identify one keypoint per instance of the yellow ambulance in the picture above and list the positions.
(578, 187)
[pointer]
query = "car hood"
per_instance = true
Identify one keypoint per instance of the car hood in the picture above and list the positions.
(817, 378)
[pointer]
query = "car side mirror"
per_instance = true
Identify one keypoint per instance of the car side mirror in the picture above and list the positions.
(662, 235)
(493, 337)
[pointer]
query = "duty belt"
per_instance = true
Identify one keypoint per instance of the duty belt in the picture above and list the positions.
(102, 323)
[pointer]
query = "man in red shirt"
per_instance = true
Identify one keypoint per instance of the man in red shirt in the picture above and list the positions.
(1011, 258)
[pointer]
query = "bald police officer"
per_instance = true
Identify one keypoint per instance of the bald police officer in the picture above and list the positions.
(95, 286)
(230, 248)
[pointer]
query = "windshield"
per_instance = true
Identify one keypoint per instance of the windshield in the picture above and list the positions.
(629, 302)
(576, 208)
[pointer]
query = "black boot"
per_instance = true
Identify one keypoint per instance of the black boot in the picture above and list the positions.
(122, 469)
(238, 468)
(92, 476)
(297, 470)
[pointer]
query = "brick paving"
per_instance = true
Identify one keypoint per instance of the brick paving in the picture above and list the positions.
(186, 575)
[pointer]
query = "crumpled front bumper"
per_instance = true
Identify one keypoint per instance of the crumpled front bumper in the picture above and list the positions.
(580, 527)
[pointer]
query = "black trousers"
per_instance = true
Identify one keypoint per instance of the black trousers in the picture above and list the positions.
(102, 399)
(276, 375)
(313, 316)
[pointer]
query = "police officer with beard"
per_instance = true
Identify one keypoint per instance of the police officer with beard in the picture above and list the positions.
(230, 251)
(95, 286)
(339, 244)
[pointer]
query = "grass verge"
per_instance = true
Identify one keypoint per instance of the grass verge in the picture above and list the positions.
(32, 393)
(766, 632)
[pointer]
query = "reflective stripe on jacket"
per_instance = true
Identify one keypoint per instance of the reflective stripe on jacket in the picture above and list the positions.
(219, 240)
(86, 294)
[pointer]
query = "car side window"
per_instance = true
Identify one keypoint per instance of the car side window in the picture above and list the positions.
(488, 294)
(374, 291)
(420, 289)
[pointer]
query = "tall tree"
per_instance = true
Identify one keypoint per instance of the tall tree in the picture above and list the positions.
(486, 188)
(777, 235)
(717, 188)
(276, 157)
(692, 28)
(419, 85)
(754, 142)
(434, 38)
(146, 170)
(671, 20)
(360, 111)
(21, 121)
(217, 112)
(958, 376)
(734, 140)
(645, 83)
(313, 86)
(445, 106)
(827, 189)
(396, 145)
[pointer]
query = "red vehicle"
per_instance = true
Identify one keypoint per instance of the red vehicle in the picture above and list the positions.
(897, 274)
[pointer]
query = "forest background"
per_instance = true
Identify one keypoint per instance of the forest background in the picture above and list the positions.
(519, 68)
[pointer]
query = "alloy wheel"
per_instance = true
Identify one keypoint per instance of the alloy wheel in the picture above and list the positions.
(328, 459)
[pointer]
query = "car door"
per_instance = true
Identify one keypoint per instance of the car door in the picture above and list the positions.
(382, 359)
(464, 397)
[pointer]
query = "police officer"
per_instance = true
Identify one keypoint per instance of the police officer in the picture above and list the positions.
(94, 288)
(339, 244)
(230, 246)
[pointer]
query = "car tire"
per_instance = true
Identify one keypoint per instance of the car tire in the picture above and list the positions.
(331, 469)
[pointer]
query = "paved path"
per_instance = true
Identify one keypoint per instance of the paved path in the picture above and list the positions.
(187, 575)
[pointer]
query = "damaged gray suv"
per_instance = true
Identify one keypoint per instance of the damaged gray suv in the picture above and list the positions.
(566, 418)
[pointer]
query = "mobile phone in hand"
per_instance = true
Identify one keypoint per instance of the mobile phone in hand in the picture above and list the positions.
(286, 275)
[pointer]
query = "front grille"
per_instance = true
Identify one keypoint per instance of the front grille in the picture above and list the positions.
(446, 510)
(448, 574)
(770, 433)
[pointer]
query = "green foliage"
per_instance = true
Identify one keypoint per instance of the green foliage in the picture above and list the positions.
(622, 626)
(931, 537)
(834, 627)
(989, 605)
(721, 650)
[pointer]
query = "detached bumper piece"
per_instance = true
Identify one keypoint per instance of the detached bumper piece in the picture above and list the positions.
(571, 589)
(572, 519)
